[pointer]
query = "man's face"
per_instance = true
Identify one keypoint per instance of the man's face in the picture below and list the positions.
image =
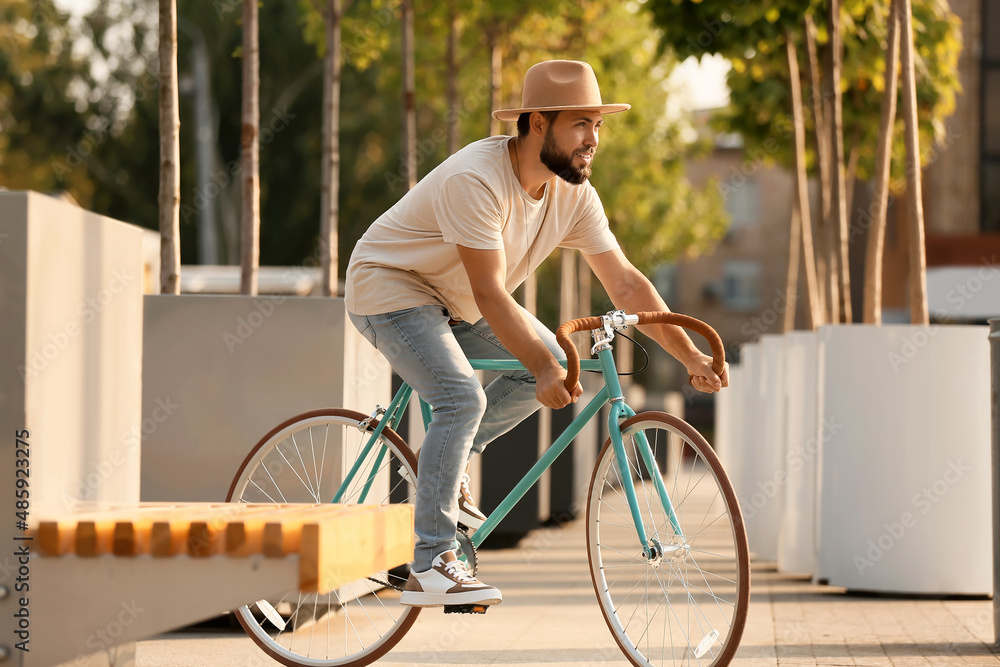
(570, 143)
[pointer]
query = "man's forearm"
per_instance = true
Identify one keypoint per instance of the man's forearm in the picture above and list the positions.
(638, 295)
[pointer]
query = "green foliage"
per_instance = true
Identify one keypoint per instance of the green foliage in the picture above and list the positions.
(731, 28)
(49, 123)
(760, 107)
(655, 212)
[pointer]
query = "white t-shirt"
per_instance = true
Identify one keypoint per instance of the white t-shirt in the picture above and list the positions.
(409, 256)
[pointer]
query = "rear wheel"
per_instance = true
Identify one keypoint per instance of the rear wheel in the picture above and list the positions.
(305, 460)
(685, 602)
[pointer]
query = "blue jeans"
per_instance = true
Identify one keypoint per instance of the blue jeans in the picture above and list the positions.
(432, 356)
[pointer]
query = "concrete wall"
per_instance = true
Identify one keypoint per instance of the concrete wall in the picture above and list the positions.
(71, 347)
(71, 301)
(219, 372)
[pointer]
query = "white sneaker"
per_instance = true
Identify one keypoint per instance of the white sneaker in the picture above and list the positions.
(447, 583)
(468, 513)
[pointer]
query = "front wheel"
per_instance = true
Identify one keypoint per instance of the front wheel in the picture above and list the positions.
(305, 460)
(683, 600)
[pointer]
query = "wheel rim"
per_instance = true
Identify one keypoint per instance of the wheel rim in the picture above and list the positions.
(687, 603)
(304, 460)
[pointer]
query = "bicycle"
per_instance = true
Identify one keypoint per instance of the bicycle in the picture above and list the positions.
(670, 567)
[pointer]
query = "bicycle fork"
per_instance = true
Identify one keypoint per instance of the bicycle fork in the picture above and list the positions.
(620, 411)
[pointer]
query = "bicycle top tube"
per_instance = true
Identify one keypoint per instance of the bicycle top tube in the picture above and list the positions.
(515, 365)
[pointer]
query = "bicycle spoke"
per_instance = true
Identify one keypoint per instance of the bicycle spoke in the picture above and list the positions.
(322, 462)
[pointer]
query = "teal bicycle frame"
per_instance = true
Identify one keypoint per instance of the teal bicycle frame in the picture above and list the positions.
(610, 393)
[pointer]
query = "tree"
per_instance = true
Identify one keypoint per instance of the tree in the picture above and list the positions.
(170, 196)
(250, 152)
(918, 261)
(883, 155)
(826, 290)
(760, 90)
(120, 177)
(409, 95)
(760, 31)
(801, 219)
(330, 178)
(452, 77)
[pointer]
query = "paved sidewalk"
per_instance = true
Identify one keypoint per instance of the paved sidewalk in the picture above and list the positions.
(550, 617)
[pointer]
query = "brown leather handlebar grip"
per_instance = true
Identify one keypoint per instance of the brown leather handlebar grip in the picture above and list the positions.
(588, 323)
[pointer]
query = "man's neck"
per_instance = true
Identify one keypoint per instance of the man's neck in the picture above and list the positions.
(532, 174)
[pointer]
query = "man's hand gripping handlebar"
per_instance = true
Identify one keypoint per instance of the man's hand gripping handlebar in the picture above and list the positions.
(606, 324)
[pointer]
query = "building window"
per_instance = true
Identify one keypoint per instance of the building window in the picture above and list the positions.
(741, 285)
(743, 202)
(989, 178)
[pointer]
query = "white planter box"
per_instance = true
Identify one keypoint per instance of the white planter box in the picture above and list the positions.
(729, 421)
(745, 445)
(71, 300)
(905, 477)
(797, 537)
(759, 501)
(762, 496)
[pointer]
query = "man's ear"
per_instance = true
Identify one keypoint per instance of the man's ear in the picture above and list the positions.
(538, 123)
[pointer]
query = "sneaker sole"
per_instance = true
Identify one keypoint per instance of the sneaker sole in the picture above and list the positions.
(422, 599)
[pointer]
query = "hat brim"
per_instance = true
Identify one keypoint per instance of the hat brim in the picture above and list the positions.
(511, 115)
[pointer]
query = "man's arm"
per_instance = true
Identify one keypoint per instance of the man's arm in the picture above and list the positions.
(632, 291)
(486, 269)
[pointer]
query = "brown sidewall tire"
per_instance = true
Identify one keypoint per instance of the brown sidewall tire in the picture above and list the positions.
(410, 616)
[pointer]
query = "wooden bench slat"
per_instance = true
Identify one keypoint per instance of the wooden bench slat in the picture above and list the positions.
(336, 544)
(354, 545)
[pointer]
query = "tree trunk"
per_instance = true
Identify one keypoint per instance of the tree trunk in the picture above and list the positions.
(330, 186)
(883, 157)
(838, 204)
(250, 153)
(205, 142)
(792, 276)
(169, 202)
(918, 260)
(496, 78)
(568, 298)
(829, 223)
(584, 294)
(801, 218)
(452, 93)
(851, 174)
(823, 251)
(409, 97)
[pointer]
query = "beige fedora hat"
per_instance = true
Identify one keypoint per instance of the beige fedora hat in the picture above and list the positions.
(554, 85)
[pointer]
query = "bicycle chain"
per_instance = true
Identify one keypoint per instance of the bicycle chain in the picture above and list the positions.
(473, 558)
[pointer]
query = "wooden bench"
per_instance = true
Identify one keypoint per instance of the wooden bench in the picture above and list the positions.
(137, 571)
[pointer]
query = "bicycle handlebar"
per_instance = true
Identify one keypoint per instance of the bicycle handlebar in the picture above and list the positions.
(588, 323)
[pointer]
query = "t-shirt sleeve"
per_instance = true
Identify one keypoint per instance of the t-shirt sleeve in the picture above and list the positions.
(591, 233)
(469, 213)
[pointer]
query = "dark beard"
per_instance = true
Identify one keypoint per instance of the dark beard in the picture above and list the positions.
(561, 164)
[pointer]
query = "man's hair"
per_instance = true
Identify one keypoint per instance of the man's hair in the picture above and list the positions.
(523, 119)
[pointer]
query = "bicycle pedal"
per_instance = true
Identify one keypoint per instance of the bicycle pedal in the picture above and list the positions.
(466, 608)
